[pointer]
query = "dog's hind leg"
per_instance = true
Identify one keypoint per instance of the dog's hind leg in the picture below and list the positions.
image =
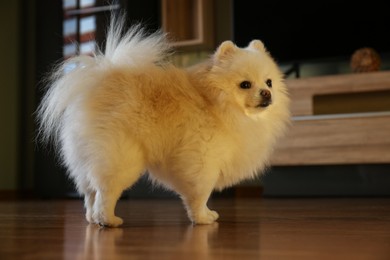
(104, 207)
(84, 188)
(120, 171)
(89, 201)
(107, 195)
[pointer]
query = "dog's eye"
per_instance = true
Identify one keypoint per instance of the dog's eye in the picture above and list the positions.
(245, 84)
(269, 83)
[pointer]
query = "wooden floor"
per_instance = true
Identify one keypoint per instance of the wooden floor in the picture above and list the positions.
(158, 229)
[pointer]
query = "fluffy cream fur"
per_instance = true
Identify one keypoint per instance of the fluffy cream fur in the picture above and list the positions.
(128, 111)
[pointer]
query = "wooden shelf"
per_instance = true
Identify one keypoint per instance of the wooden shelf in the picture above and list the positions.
(303, 91)
(353, 138)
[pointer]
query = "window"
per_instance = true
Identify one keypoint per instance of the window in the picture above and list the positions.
(84, 24)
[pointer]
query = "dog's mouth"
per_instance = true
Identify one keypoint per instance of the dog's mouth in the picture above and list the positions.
(265, 103)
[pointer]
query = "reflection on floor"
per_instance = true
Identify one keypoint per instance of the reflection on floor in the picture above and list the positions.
(159, 229)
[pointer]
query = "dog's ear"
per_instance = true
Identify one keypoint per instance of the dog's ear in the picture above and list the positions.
(224, 50)
(257, 45)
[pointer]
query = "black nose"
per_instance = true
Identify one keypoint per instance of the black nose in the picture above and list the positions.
(266, 94)
(266, 98)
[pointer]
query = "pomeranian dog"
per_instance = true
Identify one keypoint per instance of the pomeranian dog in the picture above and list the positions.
(128, 112)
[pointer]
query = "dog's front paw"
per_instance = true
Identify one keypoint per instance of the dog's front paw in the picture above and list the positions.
(205, 217)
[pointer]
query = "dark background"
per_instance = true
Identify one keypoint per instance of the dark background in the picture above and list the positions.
(294, 38)
(312, 30)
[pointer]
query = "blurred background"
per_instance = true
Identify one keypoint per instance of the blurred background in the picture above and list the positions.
(307, 40)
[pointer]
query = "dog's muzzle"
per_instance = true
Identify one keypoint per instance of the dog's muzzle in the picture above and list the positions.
(266, 98)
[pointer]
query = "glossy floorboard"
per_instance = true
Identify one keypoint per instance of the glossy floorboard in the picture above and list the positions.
(159, 229)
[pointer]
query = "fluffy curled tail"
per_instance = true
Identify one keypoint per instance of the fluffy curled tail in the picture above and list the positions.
(72, 79)
(133, 47)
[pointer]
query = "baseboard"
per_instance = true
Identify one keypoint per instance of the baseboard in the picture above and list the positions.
(16, 195)
(330, 180)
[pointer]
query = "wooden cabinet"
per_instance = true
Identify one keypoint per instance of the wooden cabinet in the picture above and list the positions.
(338, 137)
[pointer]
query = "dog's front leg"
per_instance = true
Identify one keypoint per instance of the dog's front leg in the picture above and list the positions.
(195, 199)
(198, 211)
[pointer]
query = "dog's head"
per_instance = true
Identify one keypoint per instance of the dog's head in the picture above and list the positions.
(247, 77)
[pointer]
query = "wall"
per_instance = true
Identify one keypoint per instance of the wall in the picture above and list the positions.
(9, 94)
